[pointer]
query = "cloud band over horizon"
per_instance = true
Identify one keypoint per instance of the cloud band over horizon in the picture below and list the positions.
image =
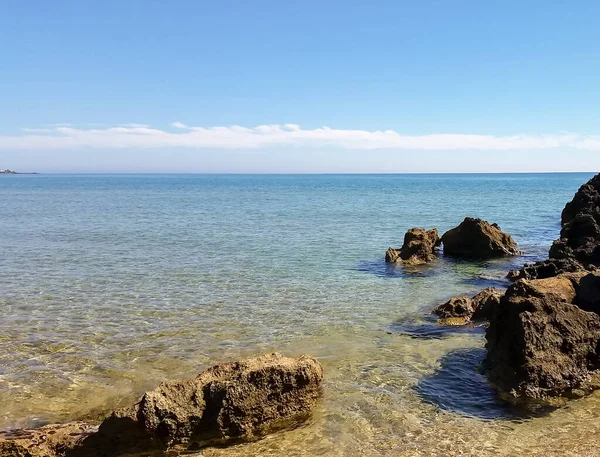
(65, 136)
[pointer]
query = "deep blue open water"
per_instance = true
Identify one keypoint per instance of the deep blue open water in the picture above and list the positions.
(111, 283)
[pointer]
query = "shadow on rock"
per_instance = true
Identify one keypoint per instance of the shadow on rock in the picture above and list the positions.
(459, 387)
(118, 436)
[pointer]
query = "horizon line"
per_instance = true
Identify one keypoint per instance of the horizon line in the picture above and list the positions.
(296, 173)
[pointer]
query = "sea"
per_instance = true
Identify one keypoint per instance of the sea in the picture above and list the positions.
(110, 284)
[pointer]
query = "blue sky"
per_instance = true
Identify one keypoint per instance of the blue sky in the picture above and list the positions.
(249, 86)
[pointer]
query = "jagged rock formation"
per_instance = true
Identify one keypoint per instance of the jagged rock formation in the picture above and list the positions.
(420, 246)
(580, 234)
(476, 238)
(227, 403)
(540, 342)
(578, 247)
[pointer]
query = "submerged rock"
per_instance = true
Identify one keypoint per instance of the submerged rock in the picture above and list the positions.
(460, 310)
(540, 343)
(48, 441)
(227, 403)
(420, 246)
(453, 321)
(476, 238)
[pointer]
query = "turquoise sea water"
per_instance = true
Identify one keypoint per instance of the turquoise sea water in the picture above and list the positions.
(111, 283)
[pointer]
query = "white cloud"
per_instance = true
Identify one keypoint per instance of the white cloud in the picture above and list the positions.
(142, 136)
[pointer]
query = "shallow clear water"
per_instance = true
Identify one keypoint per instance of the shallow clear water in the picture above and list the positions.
(110, 284)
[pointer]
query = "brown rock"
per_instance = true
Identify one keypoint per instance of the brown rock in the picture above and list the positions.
(226, 403)
(456, 307)
(540, 344)
(420, 246)
(475, 238)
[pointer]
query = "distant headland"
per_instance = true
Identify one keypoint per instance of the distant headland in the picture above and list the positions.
(12, 172)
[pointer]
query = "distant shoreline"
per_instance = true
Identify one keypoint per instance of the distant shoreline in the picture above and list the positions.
(11, 172)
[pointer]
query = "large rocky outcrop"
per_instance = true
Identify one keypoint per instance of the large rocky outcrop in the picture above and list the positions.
(420, 246)
(476, 238)
(580, 234)
(540, 341)
(578, 247)
(479, 307)
(226, 403)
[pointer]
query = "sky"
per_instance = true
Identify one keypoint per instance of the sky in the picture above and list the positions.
(299, 87)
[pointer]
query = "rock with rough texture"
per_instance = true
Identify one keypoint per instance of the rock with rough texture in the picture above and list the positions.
(226, 403)
(485, 303)
(545, 269)
(48, 441)
(456, 307)
(540, 344)
(420, 246)
(580, 233)
(476, 238)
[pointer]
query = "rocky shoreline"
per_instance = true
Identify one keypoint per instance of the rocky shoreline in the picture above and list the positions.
(472, 239)
(543, 337)
(542, 334)
(12, 172)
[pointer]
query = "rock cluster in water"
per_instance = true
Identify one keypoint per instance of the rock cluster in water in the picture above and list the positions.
(541, 341)
(226, 403)
(473, 238)
(544, 336)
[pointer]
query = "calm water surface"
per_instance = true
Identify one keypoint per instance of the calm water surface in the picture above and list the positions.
(110, 284)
